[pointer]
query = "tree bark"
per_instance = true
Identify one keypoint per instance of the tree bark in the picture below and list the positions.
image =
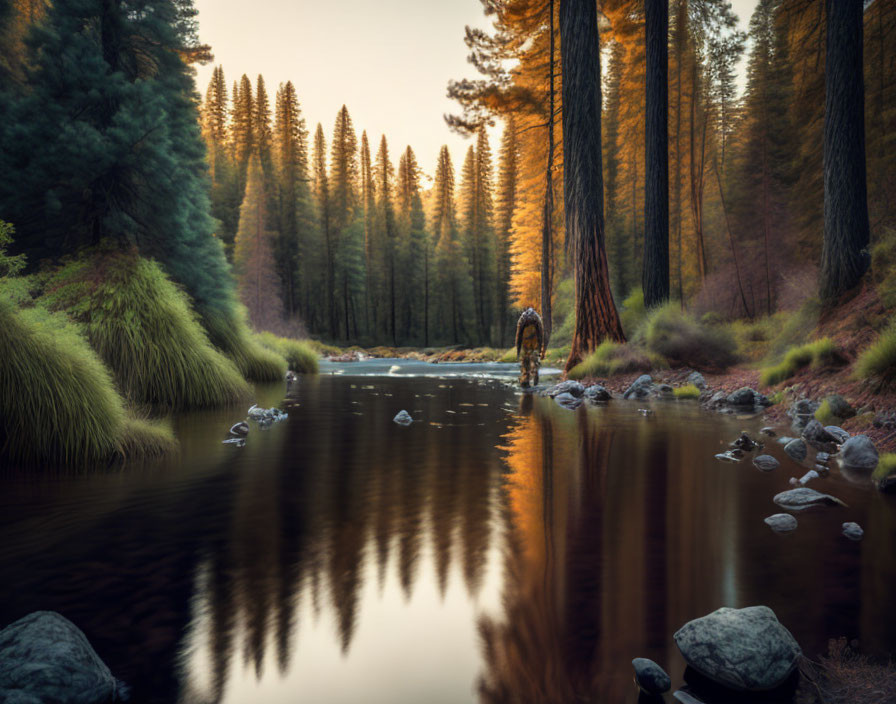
(596, 315)
(547, 231)
(655, 276)
(845, 256)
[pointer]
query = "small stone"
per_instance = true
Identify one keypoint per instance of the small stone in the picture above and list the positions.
(853, 531)
(240, 429)
(238, 442)
(784, 439)
(822, 457)
(728, 457)
(859, 453)
(796, 449)
(640, 388)
(645, 411)
(745, 442)
(839, 434)
(567, 401)
(696, 378)
(744, 397)
(766, 463)
(574, 388)
(403, 418)
(840, 406)
(819, 438)
(596, 393)
(808, 476)
(768, 431)
(650, 677)
(804, 498)
(781, 522)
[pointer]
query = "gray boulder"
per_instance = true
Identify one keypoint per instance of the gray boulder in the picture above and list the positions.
(650, 677)
(805, 498)
(796, 449)
(696, 378)
(640, 388)
(784, 439)
(403, 418)
(744, 397)
(664, 391)
(742, 649)
(781, 522)
(766, 463)
(819, 438)
(802, 411)
(568, 401)
(853, 531)
(596, 393)
(574, 388)
(858, 452)
(840, 406)
(839, 434)
(44, 657)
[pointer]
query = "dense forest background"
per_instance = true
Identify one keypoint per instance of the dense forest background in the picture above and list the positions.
(345, 238)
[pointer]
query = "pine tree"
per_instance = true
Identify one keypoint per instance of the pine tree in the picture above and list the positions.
(413, 250)
(368, 203)
(343, 198)
(261, 124)
(655, 278)
(225, 190)
(253, 256)
(243, 131)
(596, 315)
(505, 205)
(323, 201)
(384, 175)
(845, 257)
(617, 241)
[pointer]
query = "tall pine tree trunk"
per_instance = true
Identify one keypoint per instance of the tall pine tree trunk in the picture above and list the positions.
(547, 230)
(655, 277)
(845, 255)
(596, 315)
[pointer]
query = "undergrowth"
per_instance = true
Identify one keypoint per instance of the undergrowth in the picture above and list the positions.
(231, 335)
(689, 391)
(300, 356)
(819, 353)
(679, 338)
(886, 465)
(878, 362)
(612, 358)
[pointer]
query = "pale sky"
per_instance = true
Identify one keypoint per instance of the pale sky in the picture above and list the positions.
(388, 61)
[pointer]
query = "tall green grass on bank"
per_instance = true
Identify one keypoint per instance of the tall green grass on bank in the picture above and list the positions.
(679, 338)
(879, 360)
(231, 335)
(58, 403)
(300, 356)
(611, 358)
(817, 354)
(143, 328)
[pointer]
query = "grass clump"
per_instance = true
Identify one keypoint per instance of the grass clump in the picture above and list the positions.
(231, 335)
(824, 414)
(633, 313)
(886, 465)
(689, 391)
(679, 338)
(509, 356)
(818, 354)
(141, 437)
(323, 349)
(612, 358)
(883, 267)
(300, 356)
(143, 328)
(879, 360)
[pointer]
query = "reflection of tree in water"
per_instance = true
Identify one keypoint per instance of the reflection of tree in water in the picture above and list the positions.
(546, 648)
(311, 526)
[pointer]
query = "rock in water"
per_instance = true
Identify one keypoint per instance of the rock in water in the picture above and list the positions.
(650, 677)
(729, 456)
(744, 397)
(403, 418)
(743, 649)
(839, 434)
(696, 378)
(819, 438)
(859, 453)
(573, 388)
(240, 429)
(781, 522)
(597, 393)
(44, 657)
(640, 388)
(766, 463)
(807, 477)
(803, 498)
(840, 406)
(853, 531)
(796, 449)
(769, 431)
(568, 401)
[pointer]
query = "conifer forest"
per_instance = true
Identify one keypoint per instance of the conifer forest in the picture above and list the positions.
(457, 350)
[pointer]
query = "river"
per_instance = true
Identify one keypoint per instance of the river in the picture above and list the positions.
(500, 548)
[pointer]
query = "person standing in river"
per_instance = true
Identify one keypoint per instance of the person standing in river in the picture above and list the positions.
(529, 343)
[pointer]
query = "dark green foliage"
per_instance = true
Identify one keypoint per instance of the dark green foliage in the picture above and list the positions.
(818, 354)
(300, 356)
(679, 338)
(230, 333)
(878, 362)
(142, 327)
(105, 143)
(612, 358)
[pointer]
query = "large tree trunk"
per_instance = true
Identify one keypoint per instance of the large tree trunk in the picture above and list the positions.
(655, 276)
(596, 315)
(547, 230)
(845, 255)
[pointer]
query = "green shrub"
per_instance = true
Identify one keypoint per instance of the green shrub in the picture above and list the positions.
(824, 414)
(790, 328)
(300, 356)
(679, 338)
(143, 328)
(611, 358)
(818, 354)
(879, 360)
(886, 465)
(509, 356)
(141, 437)
(633, 313)
(231, 335)
(325, 350)
(776, 398)
(688, 391)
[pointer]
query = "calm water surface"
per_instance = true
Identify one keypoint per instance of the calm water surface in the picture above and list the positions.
(499, 549)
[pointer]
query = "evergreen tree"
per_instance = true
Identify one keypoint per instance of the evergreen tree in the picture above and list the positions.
(325, 218)
(384, 175)
(596, 315)
(261, 124)
(253, 256)
(368, 204)
(617, 243)
(343, 198)
(242, 130)
(105, 144)
(505, 205)
(845, 257)
(225, 190)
